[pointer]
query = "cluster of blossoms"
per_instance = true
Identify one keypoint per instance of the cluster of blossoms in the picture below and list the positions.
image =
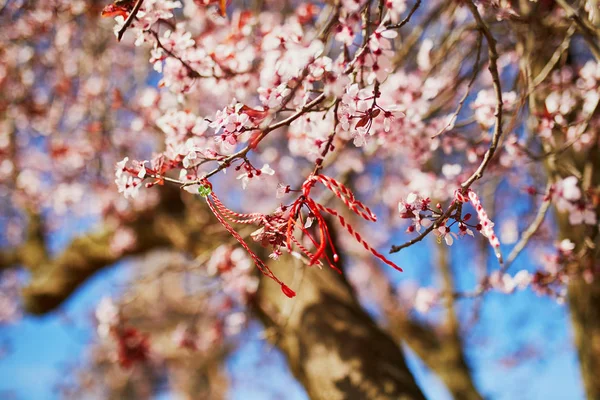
(426, 298)
(360, 105)
(542, 283)
(149, 13)
(308, 135)
(570, 199)
(235, 124)
(377, 57)
(132, 346)
(129, 176)
(507, 284)
(570, 106)
(353, 97)
(484, 106)
(184, 136)
(559, 268)
(234, 268)
(423, 215)
(220, 318)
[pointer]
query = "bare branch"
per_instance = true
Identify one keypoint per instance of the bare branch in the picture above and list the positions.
(408, 17)
(493, 68)
(129, 19)
(590, 37)
(464, 98)
(531, 230)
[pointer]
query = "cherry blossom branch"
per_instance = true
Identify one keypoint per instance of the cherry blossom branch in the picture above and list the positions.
(242, 153)
(165, 178)
(191, 71)
(366, 36)
(427, 231)
(485, 284)
(493, 68)
(130, 18)
(328, 145)
(407, 18)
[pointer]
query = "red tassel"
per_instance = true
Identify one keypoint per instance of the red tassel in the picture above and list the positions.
(287, 291)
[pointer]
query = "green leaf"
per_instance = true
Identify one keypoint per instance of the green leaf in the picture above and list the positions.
(204, 190)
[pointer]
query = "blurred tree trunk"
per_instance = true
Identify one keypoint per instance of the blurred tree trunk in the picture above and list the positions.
(539, 42)
(584, 297)
(333, 346)
(584, 301)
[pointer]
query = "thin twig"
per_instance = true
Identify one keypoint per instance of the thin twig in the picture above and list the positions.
(590, 37)
(454, 116)
(549, 67)
(129, 19)
(493, 68)
(531, 230)
(408, 17)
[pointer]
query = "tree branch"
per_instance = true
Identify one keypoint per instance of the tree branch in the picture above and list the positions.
(332, 345)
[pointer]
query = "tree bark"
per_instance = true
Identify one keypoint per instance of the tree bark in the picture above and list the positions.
(538, 41)
(333, 347)
(584, 302)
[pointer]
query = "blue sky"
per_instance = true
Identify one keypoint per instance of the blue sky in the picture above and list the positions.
(42, 349)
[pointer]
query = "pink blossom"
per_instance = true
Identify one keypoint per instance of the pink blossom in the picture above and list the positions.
(253, 175)
(581, 214)
(444, 232)
(485, 106)
(127, 179)
(568, 189)
(124, 239)
(425, 299)
(566, 246)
